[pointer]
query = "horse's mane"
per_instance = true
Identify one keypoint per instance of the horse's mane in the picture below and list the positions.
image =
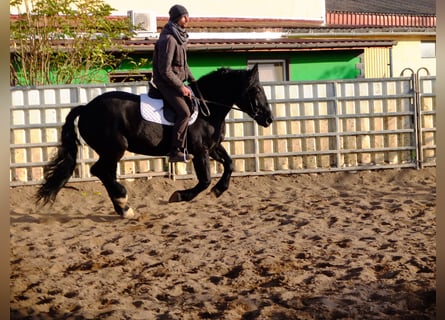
(222, 72)
(240, 78)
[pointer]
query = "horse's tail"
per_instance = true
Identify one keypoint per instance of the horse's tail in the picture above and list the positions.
(58, 171)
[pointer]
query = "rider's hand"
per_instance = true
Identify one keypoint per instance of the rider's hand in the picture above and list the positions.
(186, 91)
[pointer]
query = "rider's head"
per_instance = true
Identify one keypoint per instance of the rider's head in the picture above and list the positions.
(177, 12)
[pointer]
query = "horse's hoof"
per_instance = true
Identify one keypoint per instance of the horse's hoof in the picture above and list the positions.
(175, 197)
(129, 213)
(216, 192)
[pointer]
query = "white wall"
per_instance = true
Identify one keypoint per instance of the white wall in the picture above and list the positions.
(406, 54)
(283, 9)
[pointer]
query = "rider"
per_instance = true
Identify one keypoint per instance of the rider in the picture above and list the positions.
(170, 71)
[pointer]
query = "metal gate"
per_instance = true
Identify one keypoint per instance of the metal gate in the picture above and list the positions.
(424, 116)
(319, 126)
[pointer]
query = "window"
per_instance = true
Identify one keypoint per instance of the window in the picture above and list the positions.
(428, 49)
(270, 70)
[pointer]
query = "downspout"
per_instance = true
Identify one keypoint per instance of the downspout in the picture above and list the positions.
(390, 63)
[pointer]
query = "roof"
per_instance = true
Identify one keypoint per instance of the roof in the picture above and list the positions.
(212, 24)
(417, 7)
(350, 24)
(351, 20)
(387, 20)
(283, 44)
(242, 45)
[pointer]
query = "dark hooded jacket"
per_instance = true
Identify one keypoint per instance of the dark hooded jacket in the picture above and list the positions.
(170, 68)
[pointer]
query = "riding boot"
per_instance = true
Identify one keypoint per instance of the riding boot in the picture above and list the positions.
(180, 155)
(178, 152)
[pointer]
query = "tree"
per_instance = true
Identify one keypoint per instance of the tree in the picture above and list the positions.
(64, 41)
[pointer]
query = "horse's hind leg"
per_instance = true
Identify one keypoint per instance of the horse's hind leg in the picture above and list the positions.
(105, 170)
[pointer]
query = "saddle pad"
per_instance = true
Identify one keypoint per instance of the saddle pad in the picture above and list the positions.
(153, 110)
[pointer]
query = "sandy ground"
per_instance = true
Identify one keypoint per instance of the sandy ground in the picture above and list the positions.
(310, 246)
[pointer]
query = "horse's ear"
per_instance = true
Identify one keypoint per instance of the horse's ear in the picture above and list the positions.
(254, 70)
(254, 74)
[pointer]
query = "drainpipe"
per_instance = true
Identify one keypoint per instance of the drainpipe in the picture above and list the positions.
(390, 63)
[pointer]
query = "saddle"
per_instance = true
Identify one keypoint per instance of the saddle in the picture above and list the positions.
(169, 112)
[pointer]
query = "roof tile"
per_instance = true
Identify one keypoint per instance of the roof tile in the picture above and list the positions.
(418, 7)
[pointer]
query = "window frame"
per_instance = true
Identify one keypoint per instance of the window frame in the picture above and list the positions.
(283, 62)
(121, 76)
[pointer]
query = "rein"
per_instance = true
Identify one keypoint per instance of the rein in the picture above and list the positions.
(254, 113)
(201, 98)
(206, 113)
(205, 101)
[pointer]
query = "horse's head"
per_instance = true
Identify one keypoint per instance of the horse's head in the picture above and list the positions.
(253, 99)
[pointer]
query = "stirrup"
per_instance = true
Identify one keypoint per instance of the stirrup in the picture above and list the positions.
(180, 156)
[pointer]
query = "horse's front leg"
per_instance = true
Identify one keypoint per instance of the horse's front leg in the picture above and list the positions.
(220, 154)
(201, 163)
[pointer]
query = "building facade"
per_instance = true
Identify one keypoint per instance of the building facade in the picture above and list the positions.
(335, 39)
(326, 40)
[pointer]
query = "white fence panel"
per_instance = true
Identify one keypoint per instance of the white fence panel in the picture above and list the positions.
(319, 126)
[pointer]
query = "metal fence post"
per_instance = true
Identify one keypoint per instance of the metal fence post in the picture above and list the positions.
(337, 126)
(418, 94)
(414, 99)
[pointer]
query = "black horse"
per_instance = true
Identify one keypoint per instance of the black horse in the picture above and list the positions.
(112, 123)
